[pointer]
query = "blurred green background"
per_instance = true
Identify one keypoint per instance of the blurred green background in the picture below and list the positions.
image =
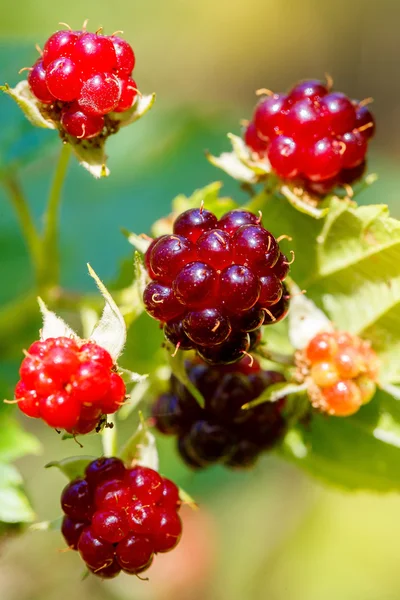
(272, 534)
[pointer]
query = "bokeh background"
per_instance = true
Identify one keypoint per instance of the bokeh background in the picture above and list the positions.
(271, 534)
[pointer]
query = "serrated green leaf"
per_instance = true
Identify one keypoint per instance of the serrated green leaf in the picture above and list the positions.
(344, 452)
(73, 466)
(15, 442)
(14, 505)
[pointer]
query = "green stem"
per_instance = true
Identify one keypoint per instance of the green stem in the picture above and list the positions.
(25, 219)
(109, 437)
(51, 253)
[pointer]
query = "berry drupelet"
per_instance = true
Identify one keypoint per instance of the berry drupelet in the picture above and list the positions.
(69, 384)
(341, 371)
(82, 77)
(216, 281)
(312, 135)
(221, 432)
(118, 518)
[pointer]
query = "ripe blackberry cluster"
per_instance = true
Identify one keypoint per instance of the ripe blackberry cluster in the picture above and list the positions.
(82, 77)
(69, 384)
(118, 518)
(215, 282)
(341, 370)
(221, 432)
(312, 135)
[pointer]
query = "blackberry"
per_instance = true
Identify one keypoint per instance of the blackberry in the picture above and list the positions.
(221, 432)
(118, 518)
(215, 281)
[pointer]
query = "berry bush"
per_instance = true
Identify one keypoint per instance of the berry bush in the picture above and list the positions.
(318, 387)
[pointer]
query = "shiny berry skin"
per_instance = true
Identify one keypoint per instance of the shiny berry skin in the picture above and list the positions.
(170, 495)
(134, 553)
(168, 527)
(271, 290)
(250, 320)
(60, 410)
(28, 400)
(100, 94)
(37, 83)
(355, 149)
(192, 223)
(169, 255)
(303, 122)
(61, 362)
(311, 89)
(80, 125)
(255, 247)
(270, 115)
(277, 312)
(76, 500)
(116, 395)
(322, 347)
(104, 468)
(215, 248)
(338, 112)
(342, 399)
(254, 141)
(161, 302)
(91, 382)
(195, 285)
(108, 571)
(283, 154)
(228, 352)
(96, 353)
(110, 525)
(147, 484)
(206, 327)
(281, 267)
(96, 552)
(112, 494)
(241, 288)
(324, 374)
(63, 79)
(322, 159)
(232, 220)
(365, 122)
(72, 530)
(175, 334)
(124, 55)
(95, 53)
(222, 432)
(60, 44)
(128, 93)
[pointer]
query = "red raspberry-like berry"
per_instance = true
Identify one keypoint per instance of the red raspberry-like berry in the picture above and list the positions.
(89, 70)
(312, 135)
(342, 370)
(118, 518)
(215, 281)
(69, 384)
(221, 432)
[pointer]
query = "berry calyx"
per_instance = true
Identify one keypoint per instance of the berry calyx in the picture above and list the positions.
(117, 518)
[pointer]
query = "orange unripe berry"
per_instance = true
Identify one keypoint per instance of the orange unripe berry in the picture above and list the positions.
(344, 339)
(324, 374)
(349, 363)
(322, 347)
(342, 399)
(367, 388)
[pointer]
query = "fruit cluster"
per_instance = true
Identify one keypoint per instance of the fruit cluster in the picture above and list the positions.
(215, 281)
(342, 371)
(69, 384)
(221, 431)
(312, 135)
(118, 518)
(82, 77)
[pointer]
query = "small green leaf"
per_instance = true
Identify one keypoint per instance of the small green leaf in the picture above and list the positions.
(176, 360)
(187, 499)
(14, 505)
(139, 242)
(53, 326)
(73, 466)
(54, 525)
(275, 392)
(302, 205)
(232, 166)
(15, 442)
(305, 319)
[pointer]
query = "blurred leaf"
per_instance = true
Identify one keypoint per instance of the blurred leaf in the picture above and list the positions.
(73, 466)
(176, 361)
(14, 505)
(275, 392)
(300, 204)
(15, 442)
(141, 448)
(305, 319)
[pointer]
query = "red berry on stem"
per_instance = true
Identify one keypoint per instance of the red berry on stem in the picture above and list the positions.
(104, 468)
(92, 351)
(28, 400)
(124, 55)
(355, 149)
(206, 327)
(160, 301)
(322, 159)
(303, 121)
(283, 154)
(91, 382)
(240, 287)
(96, 552)
(80, 125)
(255, 247)
(76, 500)
(169, 255)
(338, 112)
(134, 553)
(140, 517)
(215, 249)
(72, 530)
(170, 495)
(146, 484)
(60, 410)
(61, 363)
(60, 44)
(253, 140)
(270, 115)
(112, 494)
(311, 89)
(232, 220)
(116, 395)
(129, 92)
(271, 290)
(365, 121)
(195, 285)
(110, 525)
(95, 53)
(168, 530)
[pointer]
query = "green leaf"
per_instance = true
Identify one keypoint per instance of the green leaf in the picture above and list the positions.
(29, 104)
(275, 392)
(14, 505)
(73, 466)
(141, 448)
(15, 442)
(300, 204)
(344, 453)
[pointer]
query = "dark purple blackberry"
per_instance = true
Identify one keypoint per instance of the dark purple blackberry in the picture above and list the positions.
(221, 432)
(212, 280)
